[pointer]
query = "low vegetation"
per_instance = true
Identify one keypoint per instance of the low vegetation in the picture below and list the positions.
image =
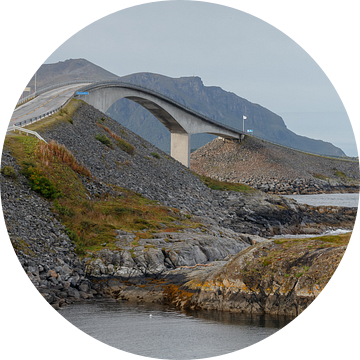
(8, 171)
(64, 115)
(104, 139)
(339, 173)
(53, 172)
(121, 143)
(225, 186)
(155, 155)
(323, 241)
(38, 181)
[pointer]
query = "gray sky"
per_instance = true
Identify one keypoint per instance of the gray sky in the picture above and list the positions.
(226, 48)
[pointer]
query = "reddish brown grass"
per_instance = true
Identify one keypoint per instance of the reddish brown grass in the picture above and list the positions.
(49, 152)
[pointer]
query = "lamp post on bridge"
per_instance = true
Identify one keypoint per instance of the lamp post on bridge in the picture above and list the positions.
(244, 118)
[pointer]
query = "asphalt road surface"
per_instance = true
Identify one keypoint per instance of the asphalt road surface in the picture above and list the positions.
(43, 103)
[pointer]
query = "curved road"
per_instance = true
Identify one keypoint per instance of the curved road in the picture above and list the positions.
(43, 103)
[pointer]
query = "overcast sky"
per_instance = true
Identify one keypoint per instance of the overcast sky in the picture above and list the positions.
(225, 47)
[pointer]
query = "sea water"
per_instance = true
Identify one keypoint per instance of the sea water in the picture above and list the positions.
(163, 332)
(340, 199)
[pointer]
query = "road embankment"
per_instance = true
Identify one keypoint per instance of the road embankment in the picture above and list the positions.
(275, 169)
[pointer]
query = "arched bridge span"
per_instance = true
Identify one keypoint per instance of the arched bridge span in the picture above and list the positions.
(178, 119)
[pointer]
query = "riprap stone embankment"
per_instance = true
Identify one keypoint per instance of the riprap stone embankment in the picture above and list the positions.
(274, 169)
(157, 176)
(41, 243)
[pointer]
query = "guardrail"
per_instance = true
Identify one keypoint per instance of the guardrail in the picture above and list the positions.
(48, 88)
(43, 116)
(27, 131)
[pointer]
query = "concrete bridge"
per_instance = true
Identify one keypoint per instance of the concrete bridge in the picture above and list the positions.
(181, 121)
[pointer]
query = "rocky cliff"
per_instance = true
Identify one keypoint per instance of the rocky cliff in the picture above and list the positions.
(278, 277)
(100, 211)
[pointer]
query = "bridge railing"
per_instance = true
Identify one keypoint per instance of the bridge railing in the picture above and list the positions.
(162, 96)
(194, 112)
(48, 88)
(93, 85)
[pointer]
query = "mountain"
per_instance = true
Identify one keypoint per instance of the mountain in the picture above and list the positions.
(212, 101)
(69, 70)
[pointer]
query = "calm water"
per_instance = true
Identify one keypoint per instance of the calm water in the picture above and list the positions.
(170, 333)
(347, 200)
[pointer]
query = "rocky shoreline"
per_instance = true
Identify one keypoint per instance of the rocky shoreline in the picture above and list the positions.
(157, 267)
(265, 278)
(302, 186)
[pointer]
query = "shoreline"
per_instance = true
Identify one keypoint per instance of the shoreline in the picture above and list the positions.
(245, 283)
(351, 190)
(61, 244)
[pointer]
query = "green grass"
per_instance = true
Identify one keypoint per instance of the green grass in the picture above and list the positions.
(39, 181)
(339, 173)
(64, 115)
(125, 146)
(104, 139)
(319, 176)
(225, 186)
(327, 240)
(9, 171)
(155, 155)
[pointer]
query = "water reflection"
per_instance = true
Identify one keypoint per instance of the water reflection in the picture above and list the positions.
(163, 332)
(227, 318)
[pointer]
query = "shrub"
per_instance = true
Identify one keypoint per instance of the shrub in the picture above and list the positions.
(104, 139)
(40, 183)
(8, 171)
(122, 144)
(155, 155)
(125, 146)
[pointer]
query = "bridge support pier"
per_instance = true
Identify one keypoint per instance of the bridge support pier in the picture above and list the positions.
(180, 147)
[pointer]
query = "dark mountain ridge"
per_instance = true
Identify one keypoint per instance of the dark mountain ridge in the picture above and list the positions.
(212, 101)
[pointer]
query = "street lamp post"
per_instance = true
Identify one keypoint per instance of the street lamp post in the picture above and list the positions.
(244, 118)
